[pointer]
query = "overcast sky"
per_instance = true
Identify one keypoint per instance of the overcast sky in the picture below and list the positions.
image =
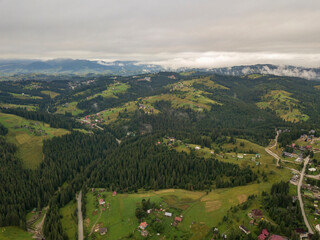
(171, 32)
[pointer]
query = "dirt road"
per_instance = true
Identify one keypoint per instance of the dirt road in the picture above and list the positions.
(306, 161)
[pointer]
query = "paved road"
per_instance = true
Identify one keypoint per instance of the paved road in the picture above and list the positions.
(267, 149)
(306, 161)
(80, 220)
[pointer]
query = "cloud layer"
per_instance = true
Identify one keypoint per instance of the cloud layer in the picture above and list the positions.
(176, 33)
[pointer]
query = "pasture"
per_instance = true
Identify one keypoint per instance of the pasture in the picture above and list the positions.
(69, 219)
(69, 107)
(284, 105)
(50, 93)
(16, 233)
(28, 135)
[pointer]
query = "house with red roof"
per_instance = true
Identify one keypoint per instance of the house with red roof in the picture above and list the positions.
(143, 225)
(264, 234)
(101, 201)
(178, 219)
(114, 194)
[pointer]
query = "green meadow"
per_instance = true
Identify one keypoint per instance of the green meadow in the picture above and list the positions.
(284, 105)
(16, 233)
(112, 91)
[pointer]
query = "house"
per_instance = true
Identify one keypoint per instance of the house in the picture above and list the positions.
(101, 201)
(149, 211)
(244, 229)
(258, 155)
(264, 234)
(178, 219)
(256, 213)
(168, 214)
(312, 169)
(103, 231)
(240, 156)
(114, 194)
(318, 227)
(143, 225)
(309, 147)
(277, 237)
(197, 148)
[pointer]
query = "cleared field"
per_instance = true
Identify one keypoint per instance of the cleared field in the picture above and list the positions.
(28, 107)
(10, 233)
(50, 93)
(204, 81)
(284, 106)
(112, 90)
(69, 107)
(69, 219)
(317, 87)
(28, 135)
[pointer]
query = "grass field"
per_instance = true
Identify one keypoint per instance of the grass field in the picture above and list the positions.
(29, 143)
(69, 107)
(187, 73)
(112, 91)
(24, 96)
(28, 107)
(69, 219)
(50, 93)
(254, 76)
(284, 106)
(14, 233)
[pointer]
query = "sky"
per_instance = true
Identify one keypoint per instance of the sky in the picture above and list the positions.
(173, 33)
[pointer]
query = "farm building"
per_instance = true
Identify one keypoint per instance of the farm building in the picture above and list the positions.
(103, 231)
(244, 229)
(256, 213)
(167, 214)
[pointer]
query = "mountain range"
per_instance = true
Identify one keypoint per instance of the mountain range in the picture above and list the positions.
(126, 68)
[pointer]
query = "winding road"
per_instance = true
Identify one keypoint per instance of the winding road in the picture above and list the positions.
(267, 149)
(80, 219)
